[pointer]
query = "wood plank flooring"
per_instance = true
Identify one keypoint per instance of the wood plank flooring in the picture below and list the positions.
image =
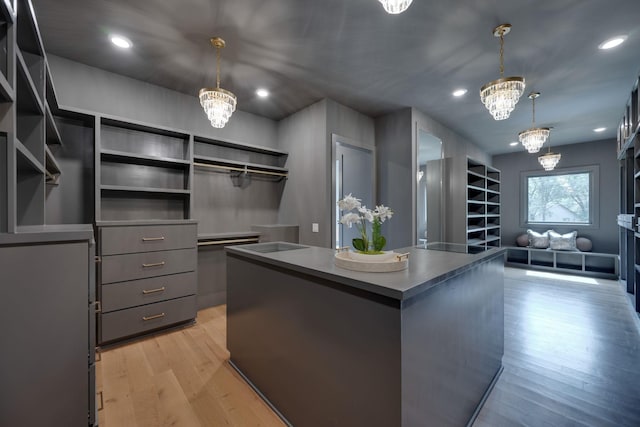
(572, 358)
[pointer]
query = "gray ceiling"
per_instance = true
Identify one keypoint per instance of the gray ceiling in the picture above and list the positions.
(354, 52)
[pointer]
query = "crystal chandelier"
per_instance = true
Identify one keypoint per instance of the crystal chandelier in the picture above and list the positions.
(395, 6)
(549, 160)
(533, 139)
(501, 96)
(218, 103)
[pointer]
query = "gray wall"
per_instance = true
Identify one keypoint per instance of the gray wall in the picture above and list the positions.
(396, 136)
(88, 88)
(306, 136)
(602, 153)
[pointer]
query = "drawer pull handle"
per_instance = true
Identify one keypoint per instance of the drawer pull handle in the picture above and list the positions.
(152, 239)
(152, 291)
(157, 316)
(154, 264)
(101, 404)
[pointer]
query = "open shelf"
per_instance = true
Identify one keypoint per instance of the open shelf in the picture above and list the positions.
(221, 150)
(237, 166)
(52, 169)
(26, 159)
(52, 133)
(144, 190)
(144, 159)
(25, 77)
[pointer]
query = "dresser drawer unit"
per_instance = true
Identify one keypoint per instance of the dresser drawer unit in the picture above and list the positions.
(120, 268)
(133, 239)
(133, 321)
(117, 296)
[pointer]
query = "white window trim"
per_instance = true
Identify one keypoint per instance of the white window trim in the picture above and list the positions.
(594, 198)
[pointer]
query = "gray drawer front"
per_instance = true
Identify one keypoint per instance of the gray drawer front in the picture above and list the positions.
(117, 296)
(120, 268)
(123, 323)
(132, 239)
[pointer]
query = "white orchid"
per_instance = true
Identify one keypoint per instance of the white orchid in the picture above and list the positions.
(349, 203)
(382, 212)
(350, 219)
(376, 217)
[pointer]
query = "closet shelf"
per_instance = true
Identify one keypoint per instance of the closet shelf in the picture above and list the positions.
(52, 169)
(6, 92)
(235, 166)
(150, 190)
(26, 160)
(126, 157)
(53, 135)
(473, 187)
(241, 146)
(24, 75)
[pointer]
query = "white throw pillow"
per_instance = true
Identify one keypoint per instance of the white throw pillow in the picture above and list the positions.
(562, 242)
(538, 240)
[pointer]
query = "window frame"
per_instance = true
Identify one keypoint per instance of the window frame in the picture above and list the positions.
(594, 197)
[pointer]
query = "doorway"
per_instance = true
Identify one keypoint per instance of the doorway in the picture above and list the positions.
(353, 174)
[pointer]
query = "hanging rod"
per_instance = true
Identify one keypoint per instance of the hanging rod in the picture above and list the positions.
(51, 178)
(231, 168)
(224, 242)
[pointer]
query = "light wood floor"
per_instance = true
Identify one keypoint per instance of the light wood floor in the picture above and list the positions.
(572, 358)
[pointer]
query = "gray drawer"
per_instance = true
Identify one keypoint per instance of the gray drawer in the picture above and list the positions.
(144, 238)
(124, 323)
(116, 296)
(120, 268)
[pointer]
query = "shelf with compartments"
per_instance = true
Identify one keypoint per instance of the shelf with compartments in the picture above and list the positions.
(239, 158)
(483, 204)
(143, 172)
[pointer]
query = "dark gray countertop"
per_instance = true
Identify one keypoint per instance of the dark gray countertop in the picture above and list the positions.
(426, 267)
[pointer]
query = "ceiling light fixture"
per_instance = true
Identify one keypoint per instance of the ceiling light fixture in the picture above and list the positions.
(120, 41)
(395, 6)
(514, 143)
(501, 96)
(262, 93)
(612, 42)
(549, 160)
(219, 104)
(599, 130)
(459, 92)
(533, 138)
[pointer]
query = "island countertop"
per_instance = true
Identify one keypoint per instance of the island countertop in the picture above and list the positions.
(427, 267)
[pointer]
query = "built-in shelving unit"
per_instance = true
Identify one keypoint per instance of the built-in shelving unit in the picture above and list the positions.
(236, 158)
(143, 172)
(483, 204)
(629, 156)
(572, 262)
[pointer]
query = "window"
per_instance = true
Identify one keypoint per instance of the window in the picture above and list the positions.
(565, 196)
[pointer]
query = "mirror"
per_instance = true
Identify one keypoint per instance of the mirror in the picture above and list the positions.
(428, 216)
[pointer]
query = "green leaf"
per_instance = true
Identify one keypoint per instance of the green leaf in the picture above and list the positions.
(358, 244)
(378, 243)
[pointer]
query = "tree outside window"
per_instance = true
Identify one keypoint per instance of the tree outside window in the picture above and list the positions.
(559, 198)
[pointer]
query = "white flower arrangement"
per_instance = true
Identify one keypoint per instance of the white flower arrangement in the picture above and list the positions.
(376, 217)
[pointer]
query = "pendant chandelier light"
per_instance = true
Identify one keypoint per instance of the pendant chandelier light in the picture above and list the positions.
(501, 96)
(549, 160)
(533, 138)
(395, 6)
(218, 103)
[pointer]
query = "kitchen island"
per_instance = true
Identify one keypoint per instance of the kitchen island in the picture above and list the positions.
(327, 346)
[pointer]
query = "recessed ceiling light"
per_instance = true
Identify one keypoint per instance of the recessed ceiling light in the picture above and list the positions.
(612, 42)
(262, 93)
(120, 41)
(459, 92)
(599, 129)
(514, 143)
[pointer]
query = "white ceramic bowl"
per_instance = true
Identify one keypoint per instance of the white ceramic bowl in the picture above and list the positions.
(385, 256)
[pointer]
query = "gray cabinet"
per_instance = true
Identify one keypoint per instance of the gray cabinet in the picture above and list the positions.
(147, 277)
(46, 309)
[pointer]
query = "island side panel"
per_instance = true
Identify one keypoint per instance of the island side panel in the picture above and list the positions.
(323, 354)
(452, 346)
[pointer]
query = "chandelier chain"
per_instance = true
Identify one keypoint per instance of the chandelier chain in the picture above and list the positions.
(217, 68)
(533, 121)
(501, 54)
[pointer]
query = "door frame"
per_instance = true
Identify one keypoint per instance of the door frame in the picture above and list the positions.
(357, 145)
